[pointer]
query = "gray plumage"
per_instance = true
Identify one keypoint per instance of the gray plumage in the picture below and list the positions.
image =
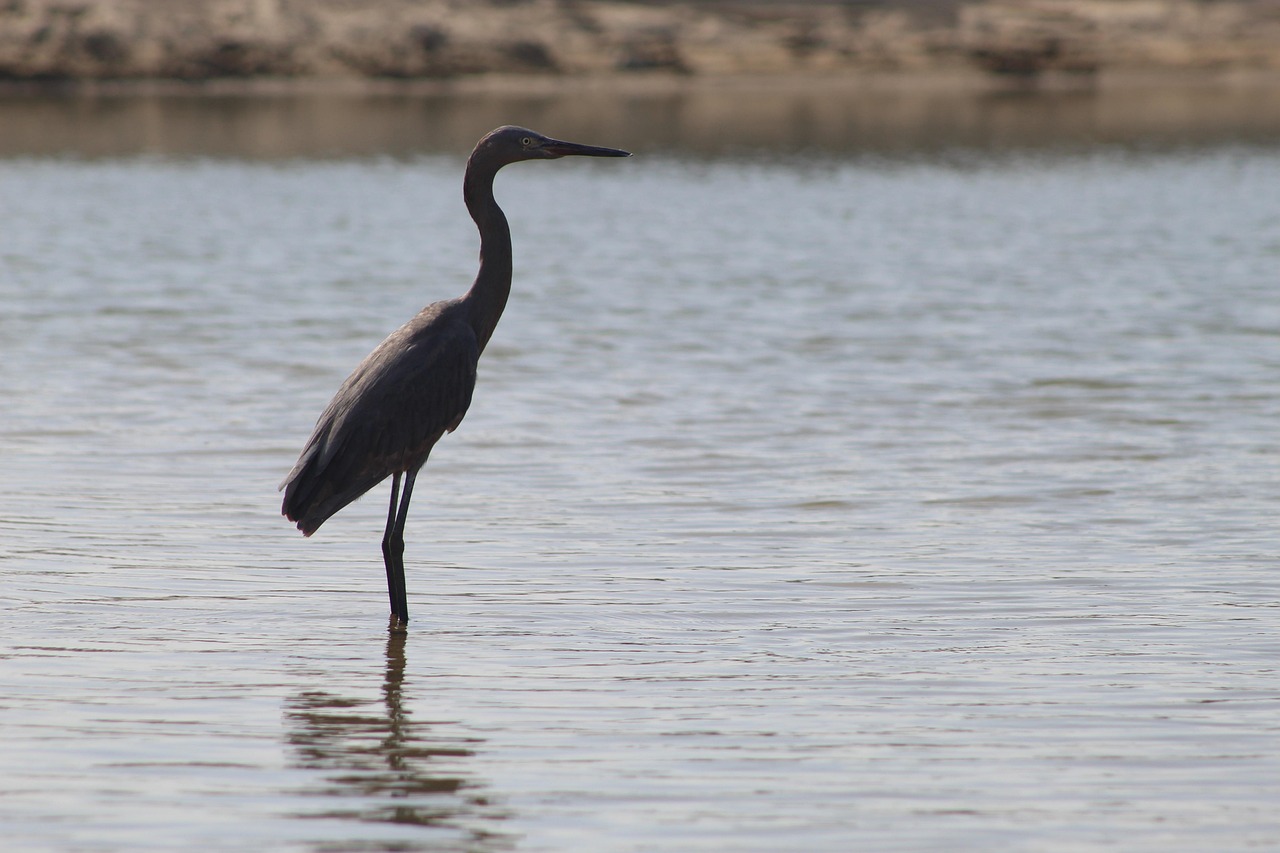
(417, 384)
(387, 415)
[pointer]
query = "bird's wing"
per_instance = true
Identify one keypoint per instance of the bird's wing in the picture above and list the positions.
(386, 416)
(409, 391)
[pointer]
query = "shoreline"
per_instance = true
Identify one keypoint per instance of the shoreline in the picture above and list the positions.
(531, 46)
(953, 81)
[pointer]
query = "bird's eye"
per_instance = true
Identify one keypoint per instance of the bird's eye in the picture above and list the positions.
(527, 141)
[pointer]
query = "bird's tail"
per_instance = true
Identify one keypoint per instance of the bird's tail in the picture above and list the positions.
(313, 491)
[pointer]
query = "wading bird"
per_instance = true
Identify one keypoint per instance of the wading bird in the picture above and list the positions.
(416, 385)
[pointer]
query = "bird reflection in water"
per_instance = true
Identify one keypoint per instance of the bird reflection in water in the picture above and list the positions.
(382, 767)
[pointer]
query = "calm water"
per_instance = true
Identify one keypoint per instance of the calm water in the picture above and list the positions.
(915, 496)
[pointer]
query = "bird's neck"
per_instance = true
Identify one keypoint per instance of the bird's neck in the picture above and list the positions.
(488, 295)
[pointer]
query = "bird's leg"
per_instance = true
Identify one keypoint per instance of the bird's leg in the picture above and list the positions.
(388, 556)
(397, 548)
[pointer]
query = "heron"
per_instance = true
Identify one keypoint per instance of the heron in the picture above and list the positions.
(416, 385)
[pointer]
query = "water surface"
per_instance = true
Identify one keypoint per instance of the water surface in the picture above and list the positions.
(905, 499)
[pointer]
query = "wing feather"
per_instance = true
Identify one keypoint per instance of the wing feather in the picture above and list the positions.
(387, 415)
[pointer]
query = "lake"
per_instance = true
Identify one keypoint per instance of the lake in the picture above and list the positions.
(848, 472)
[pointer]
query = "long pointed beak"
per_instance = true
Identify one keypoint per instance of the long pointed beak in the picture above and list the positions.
(558, 148)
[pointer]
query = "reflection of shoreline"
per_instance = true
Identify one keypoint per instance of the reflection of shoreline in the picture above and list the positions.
(380, 767)
(702, 120)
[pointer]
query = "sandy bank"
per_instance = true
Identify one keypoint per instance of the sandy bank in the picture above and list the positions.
(543, 42)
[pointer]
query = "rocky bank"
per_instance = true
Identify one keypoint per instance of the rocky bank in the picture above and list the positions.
(201, 40)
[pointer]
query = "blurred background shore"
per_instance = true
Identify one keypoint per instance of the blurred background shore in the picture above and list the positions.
(335, 44)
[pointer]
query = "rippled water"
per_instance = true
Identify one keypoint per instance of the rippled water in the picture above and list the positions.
(885, 501)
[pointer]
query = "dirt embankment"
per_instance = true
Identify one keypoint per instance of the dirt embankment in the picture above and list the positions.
(198, 40)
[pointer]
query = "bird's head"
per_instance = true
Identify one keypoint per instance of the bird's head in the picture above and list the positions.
(513, 144)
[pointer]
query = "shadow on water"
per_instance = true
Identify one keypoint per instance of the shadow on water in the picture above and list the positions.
(702, 121)
(382, 767)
